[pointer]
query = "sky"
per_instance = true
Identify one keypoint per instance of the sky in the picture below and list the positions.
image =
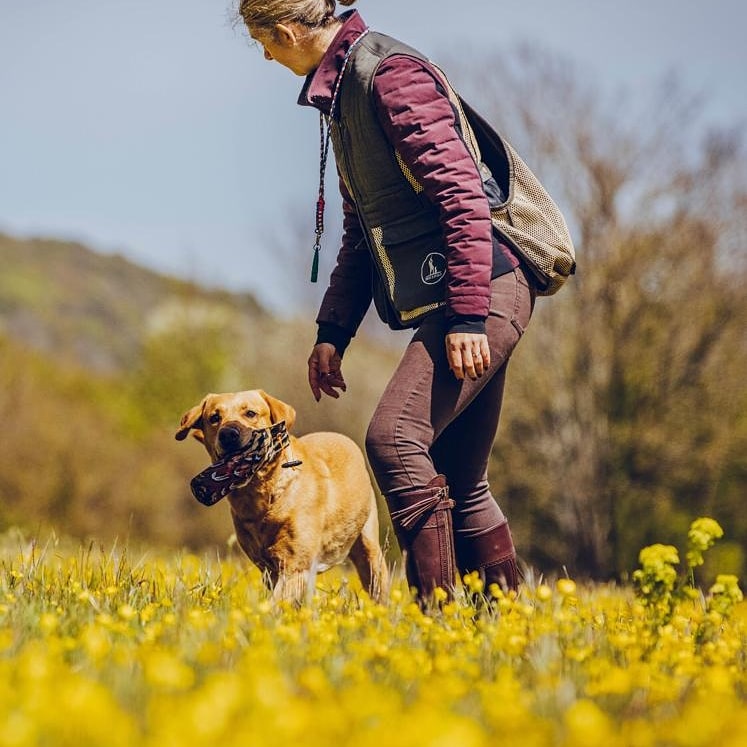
(154, 129)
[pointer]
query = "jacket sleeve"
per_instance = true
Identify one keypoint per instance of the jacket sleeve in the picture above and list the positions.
(349, 293)
(420, 122)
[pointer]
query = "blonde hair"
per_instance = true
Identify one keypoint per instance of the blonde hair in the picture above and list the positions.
(268, 13)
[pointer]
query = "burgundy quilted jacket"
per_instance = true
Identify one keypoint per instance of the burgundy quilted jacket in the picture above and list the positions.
(419, 121)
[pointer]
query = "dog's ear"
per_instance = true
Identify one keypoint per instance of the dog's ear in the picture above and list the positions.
(192, 421)
(279, 410)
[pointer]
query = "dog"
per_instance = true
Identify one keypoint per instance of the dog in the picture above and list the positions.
(308, 506)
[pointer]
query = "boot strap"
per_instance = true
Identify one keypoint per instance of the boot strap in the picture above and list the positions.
(409, 516)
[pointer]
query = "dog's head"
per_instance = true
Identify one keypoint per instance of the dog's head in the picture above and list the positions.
(224, 423)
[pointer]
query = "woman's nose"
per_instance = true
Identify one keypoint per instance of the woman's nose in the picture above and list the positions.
(268, 56)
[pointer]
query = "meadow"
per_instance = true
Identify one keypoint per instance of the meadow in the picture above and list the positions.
(116, 646)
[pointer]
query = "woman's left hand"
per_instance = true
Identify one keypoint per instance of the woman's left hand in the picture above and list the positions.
(325, 371)
(468, 354)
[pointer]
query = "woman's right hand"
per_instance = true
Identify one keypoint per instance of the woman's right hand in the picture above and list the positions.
(325, 371)
(468, 354)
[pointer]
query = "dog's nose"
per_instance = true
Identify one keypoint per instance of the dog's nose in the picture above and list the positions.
(229, 437)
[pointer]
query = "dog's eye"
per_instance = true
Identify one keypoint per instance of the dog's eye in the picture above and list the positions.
(251, 414)
(214, 419)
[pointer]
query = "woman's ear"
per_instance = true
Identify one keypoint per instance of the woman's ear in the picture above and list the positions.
(286, 35)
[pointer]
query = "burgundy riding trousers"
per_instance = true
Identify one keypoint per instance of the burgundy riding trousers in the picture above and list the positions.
(429, 423)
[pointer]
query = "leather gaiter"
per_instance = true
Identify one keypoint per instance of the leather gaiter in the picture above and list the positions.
(492, 554)
(422, 522)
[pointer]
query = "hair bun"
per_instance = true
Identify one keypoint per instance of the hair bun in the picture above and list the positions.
(346, 2)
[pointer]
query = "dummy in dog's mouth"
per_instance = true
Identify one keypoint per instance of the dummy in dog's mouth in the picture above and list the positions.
(237, 468)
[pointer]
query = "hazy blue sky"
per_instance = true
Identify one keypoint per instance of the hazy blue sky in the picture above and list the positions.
(152, 128)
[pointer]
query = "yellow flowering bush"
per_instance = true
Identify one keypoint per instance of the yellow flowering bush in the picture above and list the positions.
(660, 587)
(702, 534)
(104, 647)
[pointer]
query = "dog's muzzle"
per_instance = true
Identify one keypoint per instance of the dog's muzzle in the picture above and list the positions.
(236, 470)
(229, 437)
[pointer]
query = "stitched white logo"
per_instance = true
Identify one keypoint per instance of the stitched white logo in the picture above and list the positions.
(433, 268)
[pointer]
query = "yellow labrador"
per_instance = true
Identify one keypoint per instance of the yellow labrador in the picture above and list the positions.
(299, 505)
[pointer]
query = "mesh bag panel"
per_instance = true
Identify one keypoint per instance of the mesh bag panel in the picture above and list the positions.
(535, 225)
(529, 219)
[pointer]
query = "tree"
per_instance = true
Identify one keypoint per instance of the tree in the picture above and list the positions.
(627, 406)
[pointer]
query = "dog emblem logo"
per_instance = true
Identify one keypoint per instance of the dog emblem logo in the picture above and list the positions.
(433, 268)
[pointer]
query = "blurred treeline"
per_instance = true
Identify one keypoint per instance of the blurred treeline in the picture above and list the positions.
(626, 412)
(626, 406)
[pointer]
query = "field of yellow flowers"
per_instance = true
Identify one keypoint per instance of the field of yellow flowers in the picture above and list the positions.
(102, 646)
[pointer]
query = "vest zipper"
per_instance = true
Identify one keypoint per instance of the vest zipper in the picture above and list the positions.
(377, 289)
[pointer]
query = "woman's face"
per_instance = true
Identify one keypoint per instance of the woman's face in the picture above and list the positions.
(283, 45)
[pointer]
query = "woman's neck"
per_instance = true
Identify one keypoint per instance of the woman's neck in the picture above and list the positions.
(320, 42)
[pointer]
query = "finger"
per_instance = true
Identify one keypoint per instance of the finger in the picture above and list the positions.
(477, 362)
(314, 383)
(468, 363)
(454, 358)
(485, 352)
(481, 357)
(314, 378)
(336, 385)
(328, 388)
(330, 382)
(335, 378)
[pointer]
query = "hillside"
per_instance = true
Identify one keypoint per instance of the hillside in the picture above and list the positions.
(63, 299)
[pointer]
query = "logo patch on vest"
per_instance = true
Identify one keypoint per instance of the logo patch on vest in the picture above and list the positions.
(433, 268)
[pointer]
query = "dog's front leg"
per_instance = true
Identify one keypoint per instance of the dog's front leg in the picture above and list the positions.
(295, 586)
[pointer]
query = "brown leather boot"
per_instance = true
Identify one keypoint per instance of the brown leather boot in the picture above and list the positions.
(422, 522)
(492, 554)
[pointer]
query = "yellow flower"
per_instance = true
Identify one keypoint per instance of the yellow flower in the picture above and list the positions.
(702, 534)
(495, 591)
(473, 583)
(566, 587)
(48, 623)
(166, 671)
(439, 594)
(658, 556)
(96, 642)
(127, 612)
(588, 726)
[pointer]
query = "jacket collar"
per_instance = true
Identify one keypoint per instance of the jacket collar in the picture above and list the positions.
(317, 89)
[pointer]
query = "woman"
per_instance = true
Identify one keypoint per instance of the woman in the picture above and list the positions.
(418, 240)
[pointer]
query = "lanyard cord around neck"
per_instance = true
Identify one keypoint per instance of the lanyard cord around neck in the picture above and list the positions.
(324, 135)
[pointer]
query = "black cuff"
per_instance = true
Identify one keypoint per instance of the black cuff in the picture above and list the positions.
(470, 324)
(337, 336)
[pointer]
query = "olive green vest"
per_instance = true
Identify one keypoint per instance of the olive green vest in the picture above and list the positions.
(401, 226)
